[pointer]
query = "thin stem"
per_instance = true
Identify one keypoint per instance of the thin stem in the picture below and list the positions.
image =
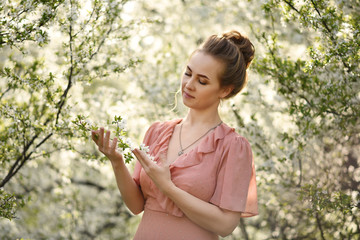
(292, 7)
(300, 169)
(63, 98)
(322, 20)
(318, 222)
(2, 94)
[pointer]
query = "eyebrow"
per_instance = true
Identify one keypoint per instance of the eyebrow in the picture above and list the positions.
(200, 75)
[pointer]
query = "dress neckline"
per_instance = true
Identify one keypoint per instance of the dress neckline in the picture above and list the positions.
(167, 143)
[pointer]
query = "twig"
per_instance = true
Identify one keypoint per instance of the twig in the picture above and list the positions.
(320, 226)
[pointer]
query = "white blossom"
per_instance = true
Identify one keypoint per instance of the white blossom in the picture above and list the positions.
(144, 148)
(39, 38)
(129, 143)
(88, 122)
(122, 124)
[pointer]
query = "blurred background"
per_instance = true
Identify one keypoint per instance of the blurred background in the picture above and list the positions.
(65, 60)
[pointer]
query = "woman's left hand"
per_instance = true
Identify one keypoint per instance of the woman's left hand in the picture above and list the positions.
(158, 173)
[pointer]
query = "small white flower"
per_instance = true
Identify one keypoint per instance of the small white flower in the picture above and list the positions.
(113, 4)
(121, 138)
(39, 38)
(74, 16)
(129, 143)
(127, 151)
(121, 126)
(144, 148)
(124, 120)
(48, 10)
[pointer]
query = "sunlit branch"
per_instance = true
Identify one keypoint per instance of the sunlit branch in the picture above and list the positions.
(100, 44)
(239, 120)
(21, 160)
(301, 173)
(292, 7)
(63, 98)
(322, 20)
(46, 153)
(88, 183)
(272, 53)
(85, 23)
(318, 222)
(3, 93)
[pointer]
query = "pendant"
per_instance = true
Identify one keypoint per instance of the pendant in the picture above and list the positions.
(180, 152)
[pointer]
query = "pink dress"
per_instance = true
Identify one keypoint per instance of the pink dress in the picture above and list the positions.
(219, 170)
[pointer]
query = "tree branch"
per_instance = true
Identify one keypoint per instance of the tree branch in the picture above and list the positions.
(2, 94)
(243, 229)
(20, 161)
(318, 222)
(300, 169)
(322, 20)
(292, 7)
(63, 97)
(88, 183)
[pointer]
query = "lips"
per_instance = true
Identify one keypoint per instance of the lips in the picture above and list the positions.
(185, 94)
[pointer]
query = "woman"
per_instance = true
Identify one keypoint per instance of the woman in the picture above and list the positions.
(202, 178)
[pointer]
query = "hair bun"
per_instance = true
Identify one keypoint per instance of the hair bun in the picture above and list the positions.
(243, 44)
(236, 52)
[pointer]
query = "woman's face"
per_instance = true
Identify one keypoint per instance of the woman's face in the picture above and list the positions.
(200, 85)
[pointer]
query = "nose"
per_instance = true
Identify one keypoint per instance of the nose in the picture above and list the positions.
(189, 83)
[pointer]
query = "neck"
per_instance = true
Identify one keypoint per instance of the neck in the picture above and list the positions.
(202, 119)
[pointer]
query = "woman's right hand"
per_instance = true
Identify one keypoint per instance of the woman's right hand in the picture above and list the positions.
(106, 145)
(130, 191)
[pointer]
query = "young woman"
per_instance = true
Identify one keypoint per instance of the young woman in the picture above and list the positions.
(202, 178)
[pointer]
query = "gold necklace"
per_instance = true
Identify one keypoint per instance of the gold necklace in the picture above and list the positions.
(183, 149)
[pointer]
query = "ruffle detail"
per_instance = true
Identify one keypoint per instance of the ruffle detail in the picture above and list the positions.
(206, 145)
(209, 143)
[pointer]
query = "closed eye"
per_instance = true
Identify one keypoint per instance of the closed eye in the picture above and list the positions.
(202, 82)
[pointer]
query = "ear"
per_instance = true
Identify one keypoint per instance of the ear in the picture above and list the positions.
(225, 91)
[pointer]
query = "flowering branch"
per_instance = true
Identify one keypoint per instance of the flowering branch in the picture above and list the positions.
(124, 144)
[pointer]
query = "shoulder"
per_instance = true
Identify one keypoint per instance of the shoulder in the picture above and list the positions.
(232, 137)
(235, 144)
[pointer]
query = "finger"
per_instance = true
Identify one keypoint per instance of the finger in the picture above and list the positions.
(114, 144)
(107, 139)
(140, 157)
(95, 136)
(101, 137)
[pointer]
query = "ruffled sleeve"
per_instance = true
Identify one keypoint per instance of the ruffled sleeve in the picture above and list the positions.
(148, 138)
(236, 184)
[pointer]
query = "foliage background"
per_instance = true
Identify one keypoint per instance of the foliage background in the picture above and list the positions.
(300, 110)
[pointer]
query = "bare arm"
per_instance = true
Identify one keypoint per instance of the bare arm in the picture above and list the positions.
(206, 215)
(211, 217)
(130, 192)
